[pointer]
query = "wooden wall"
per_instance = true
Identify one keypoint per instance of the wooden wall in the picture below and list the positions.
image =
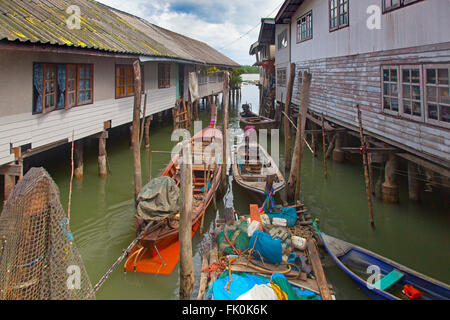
(339, 83)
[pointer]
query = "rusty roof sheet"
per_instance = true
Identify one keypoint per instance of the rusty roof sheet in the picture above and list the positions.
(102, 28)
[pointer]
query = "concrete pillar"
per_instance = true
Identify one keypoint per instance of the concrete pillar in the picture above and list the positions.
(78, 159)
(102, 165)
(414, 185)
(338, 153)
(389, 188)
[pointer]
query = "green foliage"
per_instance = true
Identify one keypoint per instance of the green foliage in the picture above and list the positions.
(235, 79)
(248, 69)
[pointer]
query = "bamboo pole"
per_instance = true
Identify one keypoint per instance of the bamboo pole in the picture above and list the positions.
(366, 169)
(186, 263)
(324, 148)
(135, 132)
(287, 128)
(71, 175)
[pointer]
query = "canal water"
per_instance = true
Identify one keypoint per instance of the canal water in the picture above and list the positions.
(102, 214)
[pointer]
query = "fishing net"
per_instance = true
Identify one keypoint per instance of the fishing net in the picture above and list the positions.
(38, 257)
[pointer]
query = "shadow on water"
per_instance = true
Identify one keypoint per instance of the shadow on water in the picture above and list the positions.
(103, 214)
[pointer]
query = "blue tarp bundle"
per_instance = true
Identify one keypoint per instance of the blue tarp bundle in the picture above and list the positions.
(240, 284)
(289, 214)
(266, 246)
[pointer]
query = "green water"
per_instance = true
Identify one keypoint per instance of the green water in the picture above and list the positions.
(102, 214)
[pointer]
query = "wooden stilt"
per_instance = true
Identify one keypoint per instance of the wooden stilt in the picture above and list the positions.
(143, 121)
(147, 132)
(296, 165)
(150, 166)
(204, 276)
(135, 135)
(196, 110)
(287, 126)
(324, 149)
(414, 185)
(366, 169)
(9, 183)
(102, 165)
(185, 234)
(390, 190)
(78, 174)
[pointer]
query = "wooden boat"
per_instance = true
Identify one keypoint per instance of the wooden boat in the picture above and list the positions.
(252, 167)
(158, 251)
(248, 118)
(355, 261)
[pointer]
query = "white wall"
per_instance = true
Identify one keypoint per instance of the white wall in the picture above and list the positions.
(18, 126)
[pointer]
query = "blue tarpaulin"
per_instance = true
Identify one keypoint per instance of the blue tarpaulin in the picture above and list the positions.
(266, 246)
(289, 214)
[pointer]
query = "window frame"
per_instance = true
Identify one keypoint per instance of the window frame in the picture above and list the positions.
(435, 66)
(399, 97)
(164, 83)
(285, 77)
(339, 25)
(124, 67)
(401, 4)
(402, 113)
(312, 27)
(58, 90)
(74, 91)
(45, 66)
(91, 79)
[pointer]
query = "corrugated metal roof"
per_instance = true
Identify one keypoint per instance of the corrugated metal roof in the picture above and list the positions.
(102, 28)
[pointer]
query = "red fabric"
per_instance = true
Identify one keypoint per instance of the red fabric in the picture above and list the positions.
(412, 292)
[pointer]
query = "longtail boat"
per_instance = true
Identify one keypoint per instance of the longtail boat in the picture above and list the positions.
(252, 165)
(248, 118)
(396, 282)
(158, 251)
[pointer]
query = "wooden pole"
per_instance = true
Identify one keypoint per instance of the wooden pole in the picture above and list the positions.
(204, 275)
(226, 89)
(71, 174)
(135, 132)
(287, 128)
(78, 174)
(147, 132)
(318, 270)
(296, 164)
(143, 120)
(150, 165)
(324, 148)
(196, 110)
(102, 165)
(366, 169)
(186, 263)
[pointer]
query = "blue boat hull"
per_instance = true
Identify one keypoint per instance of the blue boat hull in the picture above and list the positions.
(343, 253)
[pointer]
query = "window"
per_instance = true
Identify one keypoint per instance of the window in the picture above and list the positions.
(281, 77)
(61, 86)
(437, 94)
(418, 92)
(389, 5)
(283, 40)
(390, 90)
(202, 78)
(339, 16)
(50, 87)
(124, 81)
(71, 86)
(411, 91)
(304, 27)
(85, 75)
(163, 75)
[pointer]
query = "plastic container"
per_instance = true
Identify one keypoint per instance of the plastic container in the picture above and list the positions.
(299, 243)
(279, 222)
(252, 228)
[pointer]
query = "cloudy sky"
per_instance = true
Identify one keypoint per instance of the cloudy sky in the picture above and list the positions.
(222, 24)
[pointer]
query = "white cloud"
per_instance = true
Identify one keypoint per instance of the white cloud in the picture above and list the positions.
(218, 23)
